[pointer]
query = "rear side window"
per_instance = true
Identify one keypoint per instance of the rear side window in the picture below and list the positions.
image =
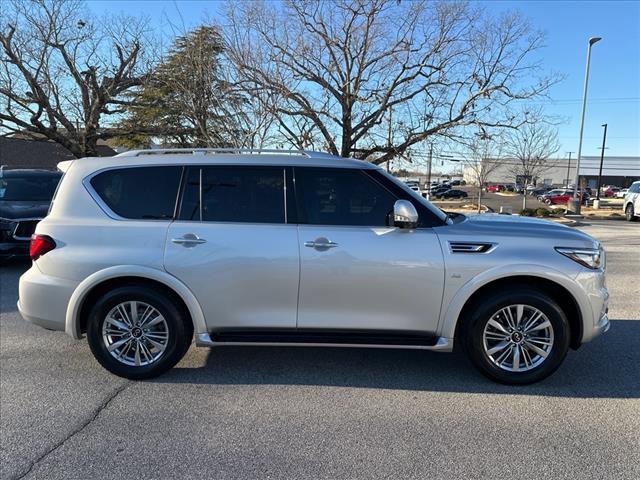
(342, 197)
(141, 193)
(234, 194)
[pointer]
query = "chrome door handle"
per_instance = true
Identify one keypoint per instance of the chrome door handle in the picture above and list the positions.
(321, 244)
(189, 240)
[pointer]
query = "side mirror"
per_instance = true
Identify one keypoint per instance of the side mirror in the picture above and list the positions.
(404, 214)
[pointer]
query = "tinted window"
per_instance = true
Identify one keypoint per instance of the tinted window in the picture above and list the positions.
(342, 197)
(33, 188)
(141, 192)
(234, 194)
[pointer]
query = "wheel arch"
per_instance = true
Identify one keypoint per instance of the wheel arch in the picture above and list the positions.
(97, 283)
(555, 284)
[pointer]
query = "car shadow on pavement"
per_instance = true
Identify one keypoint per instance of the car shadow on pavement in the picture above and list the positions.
(608, 367)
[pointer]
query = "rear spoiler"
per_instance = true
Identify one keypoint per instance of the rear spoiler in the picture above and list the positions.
(66, 165)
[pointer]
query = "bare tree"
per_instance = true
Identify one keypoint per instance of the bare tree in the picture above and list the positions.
(481, 160)
(530, 149)
(63, 73)
(339, 68)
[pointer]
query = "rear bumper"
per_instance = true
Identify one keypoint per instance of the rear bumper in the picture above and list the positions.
(43, 300)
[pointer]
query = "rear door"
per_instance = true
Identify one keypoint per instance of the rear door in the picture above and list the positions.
(232, 245)
(357, 271)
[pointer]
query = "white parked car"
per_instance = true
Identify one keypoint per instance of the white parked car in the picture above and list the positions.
(631, 204)
(144, 250)
(621, 193)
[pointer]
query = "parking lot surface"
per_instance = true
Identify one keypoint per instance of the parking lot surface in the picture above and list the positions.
(323, 413)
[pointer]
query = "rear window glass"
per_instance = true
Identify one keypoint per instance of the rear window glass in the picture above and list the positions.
(29, 188)
(141, 193)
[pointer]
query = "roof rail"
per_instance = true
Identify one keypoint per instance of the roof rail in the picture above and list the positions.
(208, 151)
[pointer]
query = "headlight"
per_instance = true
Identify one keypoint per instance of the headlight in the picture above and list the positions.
(588, 257)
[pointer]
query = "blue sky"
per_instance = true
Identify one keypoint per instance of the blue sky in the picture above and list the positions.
(614, 86)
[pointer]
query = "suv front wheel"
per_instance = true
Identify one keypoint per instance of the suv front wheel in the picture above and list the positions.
(138, 332)
(517, 337)
(629, 213)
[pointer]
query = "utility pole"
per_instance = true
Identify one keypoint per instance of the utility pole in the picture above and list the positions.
(604, 141)
(429, 172)
(569, 169)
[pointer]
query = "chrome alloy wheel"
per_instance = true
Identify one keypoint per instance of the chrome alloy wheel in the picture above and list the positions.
(518, 338)
(135, 333)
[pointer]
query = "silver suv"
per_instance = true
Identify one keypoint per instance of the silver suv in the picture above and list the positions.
(144, 250)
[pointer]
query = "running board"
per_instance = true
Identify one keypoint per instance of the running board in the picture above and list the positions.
(324, 339)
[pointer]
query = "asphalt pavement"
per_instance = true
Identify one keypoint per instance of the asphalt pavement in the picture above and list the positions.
(323, 413)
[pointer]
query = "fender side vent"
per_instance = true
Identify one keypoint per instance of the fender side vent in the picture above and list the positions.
(470, 247)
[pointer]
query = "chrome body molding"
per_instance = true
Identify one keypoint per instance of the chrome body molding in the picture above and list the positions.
(442, 344)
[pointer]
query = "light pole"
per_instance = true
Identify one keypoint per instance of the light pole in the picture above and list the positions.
(569, 169)
(575, 202)
(604, 141)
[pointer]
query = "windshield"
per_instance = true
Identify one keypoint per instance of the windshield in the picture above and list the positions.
(439, 213)
(38, 188)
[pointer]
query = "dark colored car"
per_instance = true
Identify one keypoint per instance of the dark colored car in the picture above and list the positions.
(25, 196)
(453, 193)
(436, 192)
(539, 191)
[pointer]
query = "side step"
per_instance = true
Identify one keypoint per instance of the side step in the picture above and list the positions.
(299, 338)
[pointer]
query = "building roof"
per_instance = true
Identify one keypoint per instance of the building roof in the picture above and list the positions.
(44, 154)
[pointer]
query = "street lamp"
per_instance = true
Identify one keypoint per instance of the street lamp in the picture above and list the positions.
(575, 202)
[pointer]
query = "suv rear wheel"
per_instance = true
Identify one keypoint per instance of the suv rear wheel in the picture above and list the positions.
(517, 337)
(138, 332)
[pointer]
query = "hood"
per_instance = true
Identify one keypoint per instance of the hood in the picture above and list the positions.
(12, 209)
(497, 226)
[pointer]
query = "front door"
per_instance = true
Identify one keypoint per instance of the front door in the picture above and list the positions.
(357, 272)
(232, 247)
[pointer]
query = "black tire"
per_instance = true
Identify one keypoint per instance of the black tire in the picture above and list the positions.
(179, 327)
(629, 213)
(472, 335)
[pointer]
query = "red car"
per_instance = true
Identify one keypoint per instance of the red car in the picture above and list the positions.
(494, 188)
(562, 198)
(611, 192)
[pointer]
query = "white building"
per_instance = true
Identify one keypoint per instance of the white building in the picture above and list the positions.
(619, 171)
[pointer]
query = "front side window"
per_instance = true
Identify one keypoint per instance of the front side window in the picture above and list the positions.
(342, 197)
(234, 194)
(140, 193)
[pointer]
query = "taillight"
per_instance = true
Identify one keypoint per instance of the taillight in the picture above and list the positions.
(40, 244)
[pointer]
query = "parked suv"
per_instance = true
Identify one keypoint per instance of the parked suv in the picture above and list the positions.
(24, 200)
(631, 203)
(144, 250)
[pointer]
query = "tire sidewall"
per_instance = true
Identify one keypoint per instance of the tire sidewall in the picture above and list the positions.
(167, 308)
(473, 340)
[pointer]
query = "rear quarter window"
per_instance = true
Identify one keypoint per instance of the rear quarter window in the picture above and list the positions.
(140, 193)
